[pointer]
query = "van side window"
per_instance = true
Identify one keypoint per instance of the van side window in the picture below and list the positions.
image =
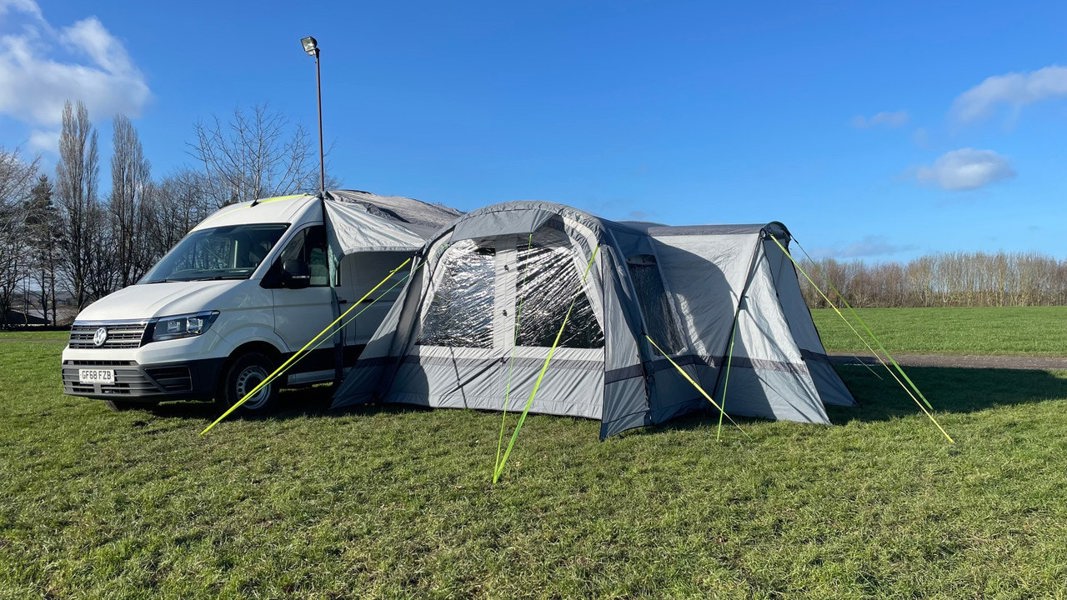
(309, 247)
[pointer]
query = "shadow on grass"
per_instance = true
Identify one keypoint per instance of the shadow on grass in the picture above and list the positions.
(955, 390)
(291, 403)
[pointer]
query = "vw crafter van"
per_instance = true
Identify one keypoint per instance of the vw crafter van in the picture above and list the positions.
(242, 292)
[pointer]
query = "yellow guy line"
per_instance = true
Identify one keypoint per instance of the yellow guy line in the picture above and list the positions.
(726, 381)
(861, 338)
(722, 412)
(499, 468)
(300, 353)
(511, 363)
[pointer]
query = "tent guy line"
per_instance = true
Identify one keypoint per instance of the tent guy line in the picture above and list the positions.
(317, 341)
(923, 405)
(499, 468)
(722, 409)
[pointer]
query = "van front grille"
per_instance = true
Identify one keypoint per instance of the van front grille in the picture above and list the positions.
(120, 334)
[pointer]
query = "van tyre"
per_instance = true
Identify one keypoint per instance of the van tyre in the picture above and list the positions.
(242, 376)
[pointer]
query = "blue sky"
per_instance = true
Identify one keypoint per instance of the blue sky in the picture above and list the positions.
(875, 131)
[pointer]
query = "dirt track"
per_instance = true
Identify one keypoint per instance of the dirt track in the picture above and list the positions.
(968, 362)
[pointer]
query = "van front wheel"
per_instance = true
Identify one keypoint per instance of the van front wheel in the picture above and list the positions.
(244, 374)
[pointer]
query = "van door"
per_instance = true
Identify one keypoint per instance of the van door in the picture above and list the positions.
(360, 272)
(301, 313)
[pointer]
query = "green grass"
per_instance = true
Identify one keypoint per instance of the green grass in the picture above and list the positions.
(1035, 330)
(397, 503)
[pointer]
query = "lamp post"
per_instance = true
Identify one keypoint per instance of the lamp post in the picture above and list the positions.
(311, 46)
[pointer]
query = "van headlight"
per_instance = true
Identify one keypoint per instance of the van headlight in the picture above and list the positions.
(180, 326)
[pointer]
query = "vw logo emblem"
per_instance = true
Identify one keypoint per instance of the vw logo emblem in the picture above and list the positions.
(100, 337)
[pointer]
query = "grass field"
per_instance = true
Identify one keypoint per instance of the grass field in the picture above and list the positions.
(1034, 330)
(393, 502)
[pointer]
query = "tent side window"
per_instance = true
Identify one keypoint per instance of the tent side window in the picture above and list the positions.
(461, 313)
(548, 280)
(655, 305)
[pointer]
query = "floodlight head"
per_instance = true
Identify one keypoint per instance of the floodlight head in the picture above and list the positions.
(310, 45)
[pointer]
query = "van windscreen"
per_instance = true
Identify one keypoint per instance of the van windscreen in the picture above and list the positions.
(231, 252)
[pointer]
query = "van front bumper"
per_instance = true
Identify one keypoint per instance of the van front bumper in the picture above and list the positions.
(188, 380)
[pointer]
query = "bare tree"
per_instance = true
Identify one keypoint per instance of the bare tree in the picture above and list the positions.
(76, 181)
(947, 279)
(44, 234)
(254, 155)
(172, 207)
(130, 177)
(16, 177)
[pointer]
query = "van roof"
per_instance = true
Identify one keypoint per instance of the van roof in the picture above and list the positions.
(280, 209)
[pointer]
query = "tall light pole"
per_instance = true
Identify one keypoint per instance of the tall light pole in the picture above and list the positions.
(311, 46)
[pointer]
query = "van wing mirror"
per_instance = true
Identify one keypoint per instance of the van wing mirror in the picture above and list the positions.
(295, 274)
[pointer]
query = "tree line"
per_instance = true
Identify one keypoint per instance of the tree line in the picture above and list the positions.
(947, 279)
(62, 242)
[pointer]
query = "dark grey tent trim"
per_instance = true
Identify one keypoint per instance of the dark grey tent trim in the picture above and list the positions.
(815, 356)
(739, 362)
(759, 364)
(624, 373)
(656, 230)
(713, 362)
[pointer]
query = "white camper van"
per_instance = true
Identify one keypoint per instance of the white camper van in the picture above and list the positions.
(243, 291)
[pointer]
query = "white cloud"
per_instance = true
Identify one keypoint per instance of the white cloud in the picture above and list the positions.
(883, 119)
(869, 247)
(872, 245)
(44, 141)
(28, 7)
(90, 37)
(966, 169)
(41, 68)
(1015, 90)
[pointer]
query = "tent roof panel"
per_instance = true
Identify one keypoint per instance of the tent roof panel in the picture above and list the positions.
(774, 228)
(422, 218)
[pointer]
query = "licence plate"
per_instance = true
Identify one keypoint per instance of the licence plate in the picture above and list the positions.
(96, 376)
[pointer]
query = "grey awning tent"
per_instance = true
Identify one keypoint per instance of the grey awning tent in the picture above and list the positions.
(365, 222)
(479, 316)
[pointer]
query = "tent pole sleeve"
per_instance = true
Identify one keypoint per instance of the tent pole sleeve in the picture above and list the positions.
(726, 383)
(737, 314)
